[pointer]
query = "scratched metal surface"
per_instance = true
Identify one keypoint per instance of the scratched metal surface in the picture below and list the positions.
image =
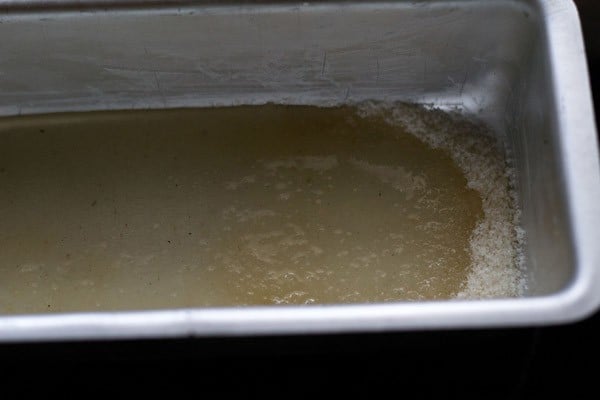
(324, 53)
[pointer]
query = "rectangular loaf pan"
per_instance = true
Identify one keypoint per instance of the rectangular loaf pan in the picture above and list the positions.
(517, 65)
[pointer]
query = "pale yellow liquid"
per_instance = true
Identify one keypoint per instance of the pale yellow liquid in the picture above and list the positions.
(226, 206)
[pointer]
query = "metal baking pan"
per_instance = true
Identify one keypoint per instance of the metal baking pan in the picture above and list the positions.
(517, 65)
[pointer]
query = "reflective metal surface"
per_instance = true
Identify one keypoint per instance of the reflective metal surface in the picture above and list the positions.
(517, 65)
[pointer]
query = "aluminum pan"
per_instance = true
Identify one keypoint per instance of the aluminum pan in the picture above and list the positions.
(578, 152)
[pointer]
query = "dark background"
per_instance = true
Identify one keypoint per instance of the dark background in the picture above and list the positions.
(506, 364)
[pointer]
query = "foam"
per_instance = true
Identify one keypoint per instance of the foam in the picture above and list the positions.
(313, 163)
(496, 244)
(397, 177)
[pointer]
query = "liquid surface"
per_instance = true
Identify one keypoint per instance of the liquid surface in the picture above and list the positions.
(226, 206)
